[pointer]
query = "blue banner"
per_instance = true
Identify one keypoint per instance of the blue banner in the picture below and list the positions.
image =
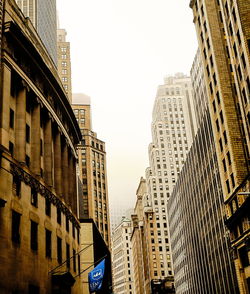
(96, 277)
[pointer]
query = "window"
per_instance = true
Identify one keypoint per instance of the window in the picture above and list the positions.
(67, 224)
(64, 63)
(34, 198)
(27, 160)
(11, 148)
(59, 215)
(59, 250)
(225, 137)
(67, 255)
(27, 133)
(15, 229)
(48, 243)
(47, 207)
(228, 186)
(12, 118)
(33, 235)
(74, 260)
(16, 187)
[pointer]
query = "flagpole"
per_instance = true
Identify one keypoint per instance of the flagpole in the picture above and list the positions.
(91, 265)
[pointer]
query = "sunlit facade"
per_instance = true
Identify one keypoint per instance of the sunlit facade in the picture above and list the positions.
(222, 28)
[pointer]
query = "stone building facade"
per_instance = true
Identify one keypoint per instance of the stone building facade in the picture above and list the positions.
(223, 31)
(39, 230)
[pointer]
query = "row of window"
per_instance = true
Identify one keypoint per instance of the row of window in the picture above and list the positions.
(34, 202)
(34, 243)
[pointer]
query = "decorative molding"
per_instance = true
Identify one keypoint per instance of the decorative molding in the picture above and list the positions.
(42, 190)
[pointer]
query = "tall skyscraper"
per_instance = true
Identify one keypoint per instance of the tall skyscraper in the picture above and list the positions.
(122, 258)
(223, 34)
(173, 129)
(42, 14)
(199, 238)
(64, 61)
(92, 169)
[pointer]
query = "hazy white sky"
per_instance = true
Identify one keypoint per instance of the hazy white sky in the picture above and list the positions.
(120, 52)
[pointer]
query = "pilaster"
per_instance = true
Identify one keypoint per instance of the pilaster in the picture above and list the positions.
(48, 159)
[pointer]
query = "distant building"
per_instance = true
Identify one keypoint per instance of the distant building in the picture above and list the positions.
(117, 213)
(92, 169)
(64, 61)
(173, 129)
(199, 238)
(42, 14)
(122, 265)
(223, 33)
(139, 244)
(40, 231)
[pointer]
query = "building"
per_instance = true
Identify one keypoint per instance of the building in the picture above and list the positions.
(117, 213)
(223, 34)
(122, 266)
(64, 61)
(173, 129)
(42, 14)
(140, 252)
(39, 236)
(196, 210)
(92, 169)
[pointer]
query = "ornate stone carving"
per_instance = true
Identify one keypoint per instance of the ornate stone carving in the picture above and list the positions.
(29, 180)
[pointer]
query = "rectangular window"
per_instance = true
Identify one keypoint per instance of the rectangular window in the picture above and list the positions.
(12, 118)
(11, 148)
(59, 250)
(48, 243)
(67, 255)
(27, 133)
(47, 207)
(33, 235)
(67, 224)
(228, 186)
(34, 198)
(59, 215)
(16, 186)
(15, 229)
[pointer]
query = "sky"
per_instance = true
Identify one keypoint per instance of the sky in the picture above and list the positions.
(121, 50)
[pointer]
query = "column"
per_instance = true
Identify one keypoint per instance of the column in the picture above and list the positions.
(20, 140)
(65, 173)
(74, 191)
(48, 160)
(35, 162)
(58, 163)
(5, 106)
(71, 172)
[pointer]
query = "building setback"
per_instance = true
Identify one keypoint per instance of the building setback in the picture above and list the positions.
(38, 138)
(223, 33)
(42, 14)
(199, 238)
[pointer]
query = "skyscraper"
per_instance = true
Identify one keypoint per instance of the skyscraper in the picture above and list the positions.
(64, 61)
(92, 169)
(199, 238)
(173, 129)
(223, 34)
(42, 14)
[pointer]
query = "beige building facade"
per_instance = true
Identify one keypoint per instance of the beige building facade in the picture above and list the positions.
(223, 34)
(173, 129)
(40, 232)
(64, 62)
(92, 169)
(122, 266)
